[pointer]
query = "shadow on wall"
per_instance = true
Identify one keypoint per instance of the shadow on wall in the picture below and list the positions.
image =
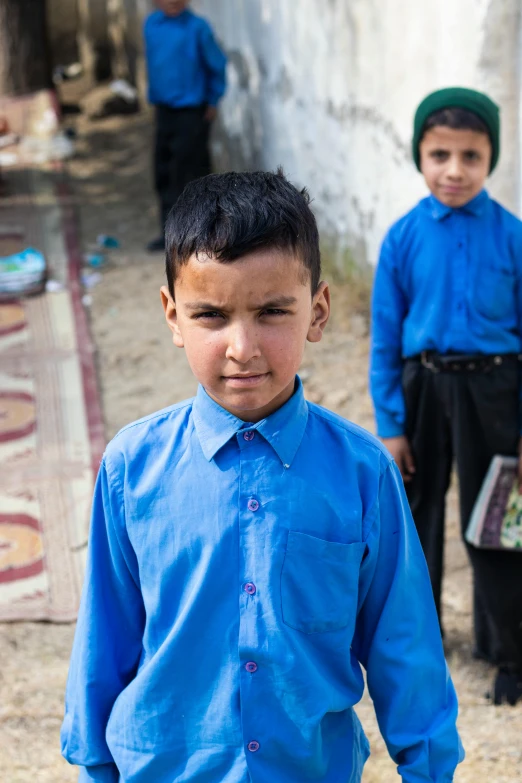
(239, 146)
(345, 261)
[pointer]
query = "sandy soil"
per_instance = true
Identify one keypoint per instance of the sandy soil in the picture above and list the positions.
(140, 371)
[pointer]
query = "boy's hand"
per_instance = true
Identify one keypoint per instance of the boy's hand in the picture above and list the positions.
(210, 113)
(399, 448)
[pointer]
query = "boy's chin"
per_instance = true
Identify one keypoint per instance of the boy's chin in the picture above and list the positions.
(455, 199)
(251, 404)
(244, 405)
(454, 203)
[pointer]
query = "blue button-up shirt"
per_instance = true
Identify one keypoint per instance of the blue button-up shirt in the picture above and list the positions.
(238, 577)
(448, 280)
(185, 65)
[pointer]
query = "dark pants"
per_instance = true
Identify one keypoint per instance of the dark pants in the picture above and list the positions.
(181, 152)
(469, 417)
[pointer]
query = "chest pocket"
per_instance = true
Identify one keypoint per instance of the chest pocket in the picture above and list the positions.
(495, 292)
(319, 583)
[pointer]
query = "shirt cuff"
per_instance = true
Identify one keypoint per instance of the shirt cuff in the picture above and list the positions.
(103, 773)
(387, 426)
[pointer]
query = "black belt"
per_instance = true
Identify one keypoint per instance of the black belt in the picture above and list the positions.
(468, 363)
(178, 109)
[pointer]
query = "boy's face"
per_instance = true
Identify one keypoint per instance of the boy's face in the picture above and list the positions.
(455, 163)
(244, 326)
(172, 7)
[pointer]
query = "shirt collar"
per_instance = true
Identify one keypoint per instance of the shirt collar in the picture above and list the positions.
(283, 429)
(475, 207)
(166, 18)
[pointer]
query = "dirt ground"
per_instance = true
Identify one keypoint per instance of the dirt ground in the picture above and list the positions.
(140, 371)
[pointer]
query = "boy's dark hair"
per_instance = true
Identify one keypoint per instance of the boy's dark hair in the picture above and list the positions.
(457, 119)
(230, 215)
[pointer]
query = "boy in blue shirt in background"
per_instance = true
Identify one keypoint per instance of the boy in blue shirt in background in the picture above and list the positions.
(446, 344)
(249, 551)
(186, 72)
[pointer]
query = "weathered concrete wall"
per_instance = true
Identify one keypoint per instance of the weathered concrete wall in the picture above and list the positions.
(327, 88)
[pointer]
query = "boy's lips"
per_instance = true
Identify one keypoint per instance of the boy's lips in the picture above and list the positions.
(453, 189)
(245, 380)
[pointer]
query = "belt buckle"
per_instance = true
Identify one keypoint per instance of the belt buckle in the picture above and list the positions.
(426, 362)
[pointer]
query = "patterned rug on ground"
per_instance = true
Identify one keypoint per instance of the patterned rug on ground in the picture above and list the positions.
(51, 439)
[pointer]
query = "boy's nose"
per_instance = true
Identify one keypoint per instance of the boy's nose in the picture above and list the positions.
(454, 167)
(242, 344)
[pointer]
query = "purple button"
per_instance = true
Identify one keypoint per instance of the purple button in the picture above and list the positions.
(249, 435)
(249, 588)
(252, 504)
(251, 667)
(253, 746)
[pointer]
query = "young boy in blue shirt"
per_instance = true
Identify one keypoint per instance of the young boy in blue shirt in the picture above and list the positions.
(186, 72)
(445, 370)
(249, 551)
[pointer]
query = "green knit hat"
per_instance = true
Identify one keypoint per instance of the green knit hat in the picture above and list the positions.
(462, 98)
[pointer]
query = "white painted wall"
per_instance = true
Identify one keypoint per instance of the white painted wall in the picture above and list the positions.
(328, 88)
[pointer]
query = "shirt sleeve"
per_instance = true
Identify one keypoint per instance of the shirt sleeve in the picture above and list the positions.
(214, 62)
(389, 308)
(108, 639)
(398, 642)
(104, 773)
(517, 253)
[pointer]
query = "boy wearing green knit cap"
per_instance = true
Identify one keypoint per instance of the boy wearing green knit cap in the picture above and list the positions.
(446, 344)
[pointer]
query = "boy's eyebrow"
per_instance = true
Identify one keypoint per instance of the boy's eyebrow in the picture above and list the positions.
(201, 306)
(276, 302)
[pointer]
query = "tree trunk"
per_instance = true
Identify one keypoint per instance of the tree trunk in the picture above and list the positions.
(62, 25)
(25, 64)
(93, 38)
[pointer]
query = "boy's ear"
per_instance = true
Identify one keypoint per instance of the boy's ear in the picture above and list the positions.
(320, 313)
(171, 316)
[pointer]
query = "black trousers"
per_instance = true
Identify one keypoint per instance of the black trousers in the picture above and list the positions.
(181, 152)
(470, 418)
